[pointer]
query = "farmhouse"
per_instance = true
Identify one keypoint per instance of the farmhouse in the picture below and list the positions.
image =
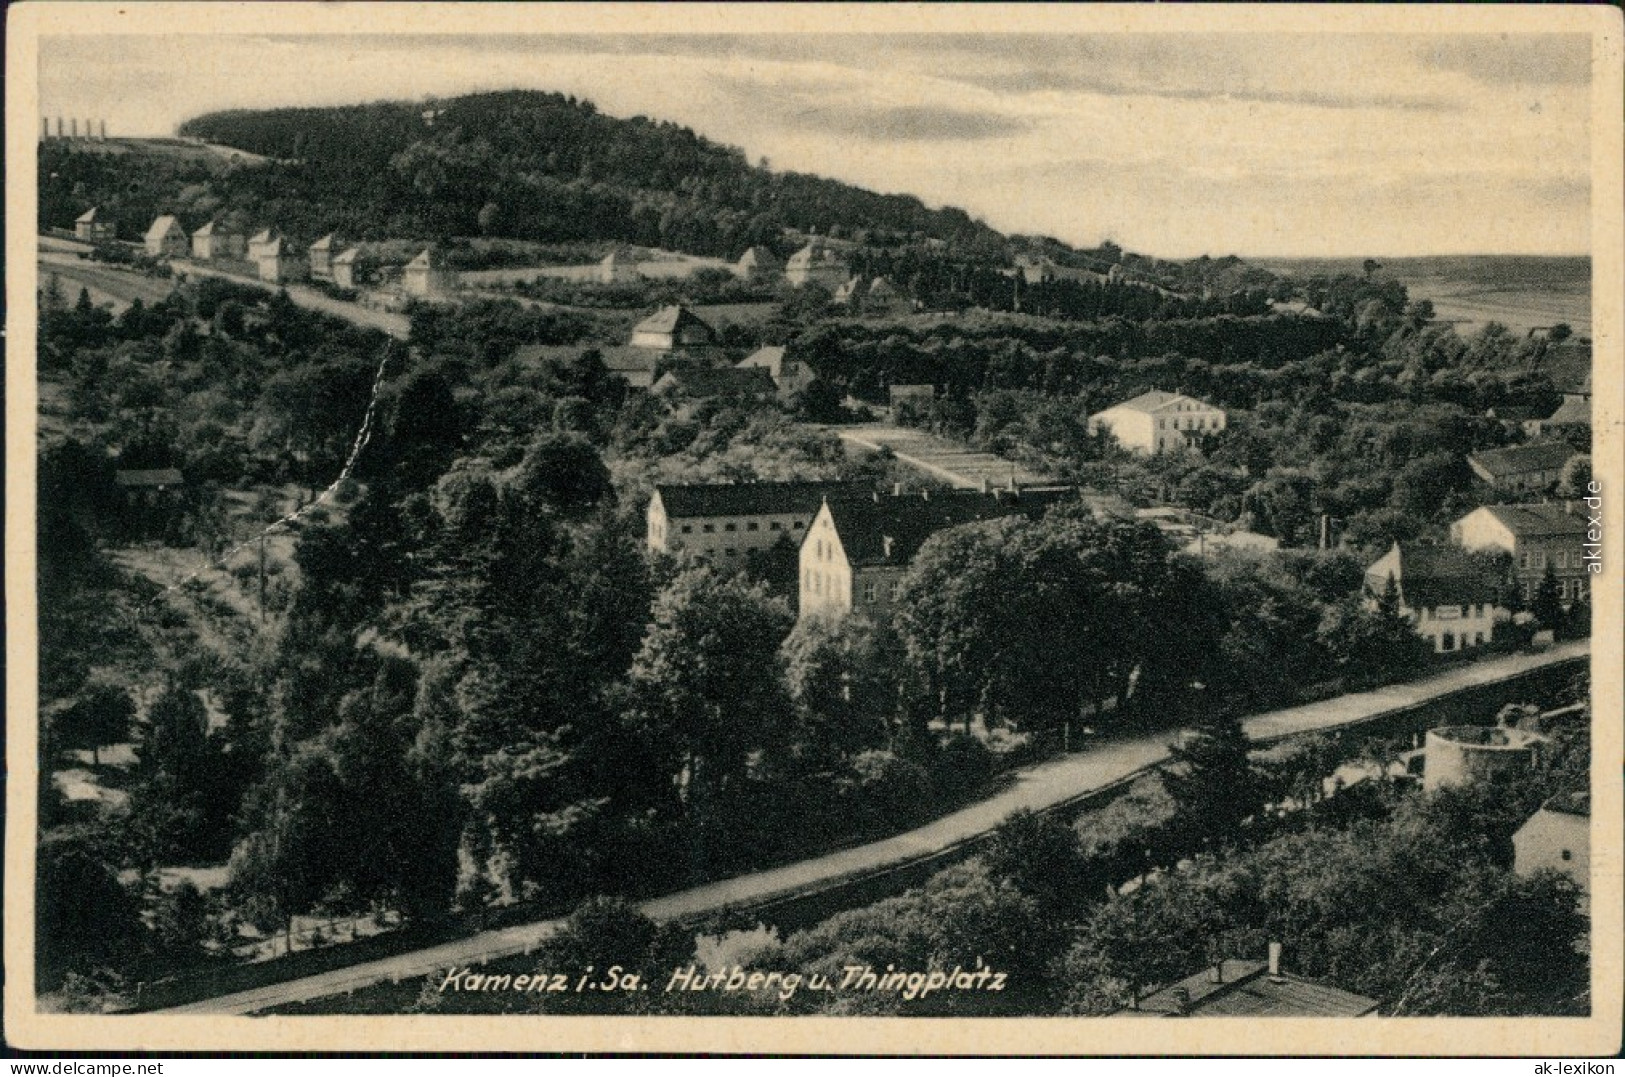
(218, 240)
(1538, 537)
(791, 376)
(167, 239)
(673, 328)
(858, 549)
(1521, 468)
(725, 521)
(93, 226)
(1448, 597)
(1156, 422)
(817, 264)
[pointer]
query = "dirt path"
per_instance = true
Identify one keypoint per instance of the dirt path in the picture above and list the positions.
(1040, 786)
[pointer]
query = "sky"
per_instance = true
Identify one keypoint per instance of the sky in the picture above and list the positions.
(1173, 144)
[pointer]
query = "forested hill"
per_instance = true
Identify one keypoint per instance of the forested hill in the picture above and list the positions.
(542, 166)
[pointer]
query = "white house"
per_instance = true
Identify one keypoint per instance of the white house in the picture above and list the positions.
(726, 521)
(1558, 837)
(93, 226)
(217, 240)
(425, 277)
(167, 239)
(1156, 422)
(816, 263)
(1449, 599)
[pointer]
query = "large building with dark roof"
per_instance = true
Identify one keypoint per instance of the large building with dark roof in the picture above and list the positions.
(1538, 537)
(726, 521)
(1448, 596)
(857, 549)
(1522, 468)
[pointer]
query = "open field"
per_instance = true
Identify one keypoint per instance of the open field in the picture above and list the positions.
(106, 284)
(1519, 291)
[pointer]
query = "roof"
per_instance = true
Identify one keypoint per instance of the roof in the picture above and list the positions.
(216, 228)
(1530, 521)
(770, 357)
(348, 256)
(814, 251)
(1574, 411)
(907, 520)
(163, 226)
(1247, 990)
(758, 258)
(422, 261)
(1567, 365)
(881, 288)
(264, 235)
(753, 498)
(847, 290)
(1574, 802)
(1521, 459)
(326, 243)
(271, 247)
(1157, 400)
(1433, 576)
(629, 362)
(88, 216)
(719, 381)
(161, 476)
(670, 320)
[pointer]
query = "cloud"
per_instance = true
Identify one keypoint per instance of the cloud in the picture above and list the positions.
(833, 105)
(1512, 59)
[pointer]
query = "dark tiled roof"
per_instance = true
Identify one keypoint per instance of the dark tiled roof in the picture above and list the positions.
(866, 524)
(1520, 459)
(1246, 990)
(754, 498)
(1529, 521)
(1568, 366)
(161, 476)
(622, 359)
(1574, 411)
(1573, 802)
(1433, 576)
(670, 319)
(722, 381)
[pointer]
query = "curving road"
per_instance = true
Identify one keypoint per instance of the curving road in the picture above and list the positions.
(1042, 786)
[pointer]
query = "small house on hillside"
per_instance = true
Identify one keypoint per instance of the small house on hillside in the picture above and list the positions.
(758, 264)
(816, 263)
(94, 226)
(425, 278)
(790, 375)
(260, 241)
(1448, 597)
(344, 268)
(673, 328)
(218, 240)
(276, 262)
(167, 239)
(321, 257)
(619, 266)
(1234, 988)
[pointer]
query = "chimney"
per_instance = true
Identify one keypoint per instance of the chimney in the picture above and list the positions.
(59, 127)
(73, 128)
(45, 123)
(102, 129)
(1275, 962)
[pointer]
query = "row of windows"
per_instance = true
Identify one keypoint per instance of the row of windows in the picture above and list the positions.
(1187, 424)
(750, 525)
(1568, 590)
(1560, 559)
(1447, 642)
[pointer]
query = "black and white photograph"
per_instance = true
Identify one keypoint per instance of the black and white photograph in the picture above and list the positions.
(604, 513)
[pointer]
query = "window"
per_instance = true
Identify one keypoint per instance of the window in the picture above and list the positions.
(753, 526)
(775, 526)
(896, 590)
(1523, 559)
(688, 529)
(1448, 642)
(731, 552)
(1562, 559)
(1567, 854)
(709, 529)
(869, 591)
(1540, 558)
(797, 525)
(729, 527)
